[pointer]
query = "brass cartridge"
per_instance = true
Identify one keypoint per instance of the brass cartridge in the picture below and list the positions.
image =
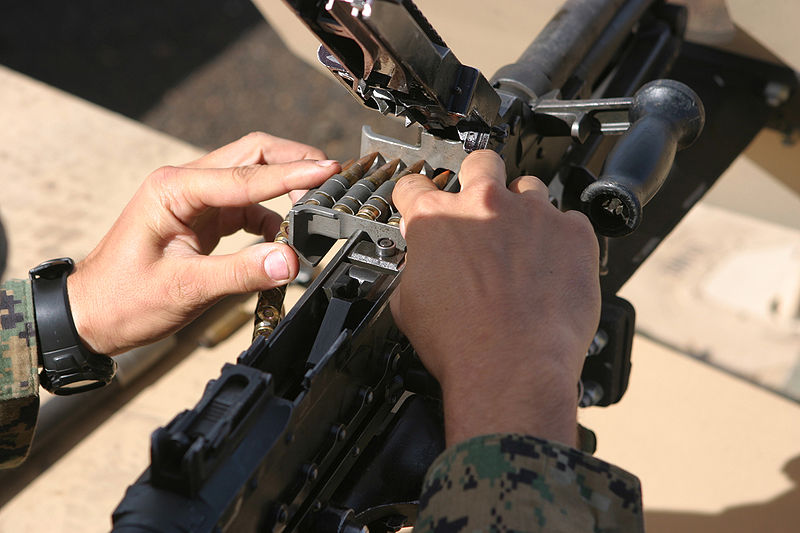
(363, 188)
(269, 311)
(378, 205)
(337, 185)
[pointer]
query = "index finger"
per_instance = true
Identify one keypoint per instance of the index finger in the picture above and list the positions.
(408, 190)
(481, 166)
(191, 191)
(257, 148)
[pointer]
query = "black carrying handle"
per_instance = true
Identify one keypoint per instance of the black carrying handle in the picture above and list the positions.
(666, 116)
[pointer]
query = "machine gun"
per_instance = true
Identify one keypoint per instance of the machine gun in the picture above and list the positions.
(329, 423)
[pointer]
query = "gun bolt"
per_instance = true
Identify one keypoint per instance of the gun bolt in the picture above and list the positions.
(386, 247)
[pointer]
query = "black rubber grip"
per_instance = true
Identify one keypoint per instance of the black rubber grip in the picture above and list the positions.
(666, 116)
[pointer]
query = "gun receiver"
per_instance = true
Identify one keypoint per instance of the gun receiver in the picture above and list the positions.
(304, 431)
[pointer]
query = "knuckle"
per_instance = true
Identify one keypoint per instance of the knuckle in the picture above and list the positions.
(163, 184)
(580, 222)
(163, 176)
(426, 205)
(258, 137)
(488, 195)
(534, 183)
(484, 155)
(582, 229)
(240, 278)
(243, 175)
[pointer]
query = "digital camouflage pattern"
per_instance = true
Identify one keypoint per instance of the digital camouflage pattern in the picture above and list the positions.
(521, 484)
(19, 382)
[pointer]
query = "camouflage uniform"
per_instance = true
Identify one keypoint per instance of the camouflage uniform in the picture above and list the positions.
(518, 483)
(19, 382)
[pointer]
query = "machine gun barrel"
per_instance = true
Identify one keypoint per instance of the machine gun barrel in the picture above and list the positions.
(563, 45)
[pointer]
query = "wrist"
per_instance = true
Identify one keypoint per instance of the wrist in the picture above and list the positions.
(82, 311)
(544, 407)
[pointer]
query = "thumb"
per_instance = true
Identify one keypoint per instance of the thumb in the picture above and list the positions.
(255, 268)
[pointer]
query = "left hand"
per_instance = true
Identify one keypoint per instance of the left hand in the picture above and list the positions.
(151, 274)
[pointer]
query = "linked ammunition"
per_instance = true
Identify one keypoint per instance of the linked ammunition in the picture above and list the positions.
(337, 185)
(363, 188)
(378, 205)
(394, 219)
(283, 233)
(269, 311)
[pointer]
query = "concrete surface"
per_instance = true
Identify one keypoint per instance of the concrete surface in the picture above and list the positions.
(714, 453)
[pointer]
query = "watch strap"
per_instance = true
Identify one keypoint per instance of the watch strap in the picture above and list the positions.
(68, 367)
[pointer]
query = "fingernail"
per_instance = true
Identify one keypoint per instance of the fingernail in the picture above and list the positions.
(276, 266)
(327, 162)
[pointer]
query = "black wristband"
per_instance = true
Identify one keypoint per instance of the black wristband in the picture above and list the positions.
(67, 366)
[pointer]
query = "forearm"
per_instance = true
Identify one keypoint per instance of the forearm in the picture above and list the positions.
(19, 381)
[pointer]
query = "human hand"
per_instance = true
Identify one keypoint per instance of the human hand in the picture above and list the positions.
(151, 274)
(500, 296)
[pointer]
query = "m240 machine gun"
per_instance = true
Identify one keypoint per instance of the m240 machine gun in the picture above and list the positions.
(328, 422)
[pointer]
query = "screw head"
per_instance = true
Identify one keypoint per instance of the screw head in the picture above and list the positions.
(311, 471)
(339, 431)
(282, 514)
(367, 395)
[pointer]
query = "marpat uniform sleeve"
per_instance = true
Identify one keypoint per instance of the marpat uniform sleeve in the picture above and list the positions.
(518, 483)
(19, 381)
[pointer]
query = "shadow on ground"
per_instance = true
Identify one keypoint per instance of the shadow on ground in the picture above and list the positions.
(771, 516)
(205, 71)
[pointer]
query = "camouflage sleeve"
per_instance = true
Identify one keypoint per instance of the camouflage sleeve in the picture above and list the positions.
(19, 382)
(524, 484)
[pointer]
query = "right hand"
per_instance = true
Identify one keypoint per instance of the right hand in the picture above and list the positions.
(500, 297)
